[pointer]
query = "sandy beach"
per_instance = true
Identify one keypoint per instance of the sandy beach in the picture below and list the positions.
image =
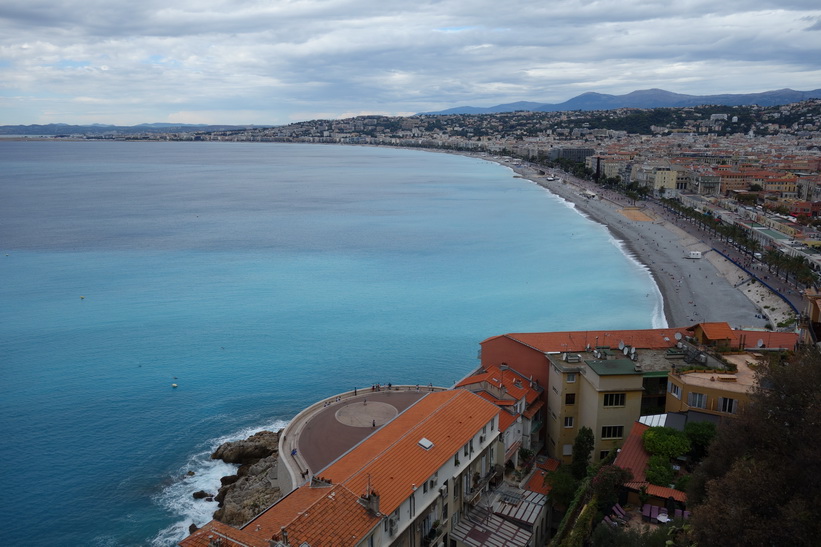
(694, 290)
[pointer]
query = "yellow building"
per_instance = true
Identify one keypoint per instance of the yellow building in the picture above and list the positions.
(604, 394)
(721, 393)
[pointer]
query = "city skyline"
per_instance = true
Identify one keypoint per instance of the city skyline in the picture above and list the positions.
(278, 62)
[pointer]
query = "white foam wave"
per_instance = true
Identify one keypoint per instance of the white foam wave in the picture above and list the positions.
(658, 320)
(177, 497)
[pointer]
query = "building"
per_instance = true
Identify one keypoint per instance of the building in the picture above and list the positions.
(718, 393)
(419, 480)
(519, 398)
(606, 380)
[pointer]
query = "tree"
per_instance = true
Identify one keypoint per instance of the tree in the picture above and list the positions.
(563, 485)
(606, 484)
(582, 448)
(759, 483)
(701, 435)
(666, 442)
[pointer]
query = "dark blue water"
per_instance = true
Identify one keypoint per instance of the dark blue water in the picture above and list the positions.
(259, 278)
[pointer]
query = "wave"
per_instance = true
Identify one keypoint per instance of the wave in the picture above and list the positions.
(177, 498)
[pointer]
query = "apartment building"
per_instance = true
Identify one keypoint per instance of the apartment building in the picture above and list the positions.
(417, 481)
(720, 394)
(606, 380)
(519, 398)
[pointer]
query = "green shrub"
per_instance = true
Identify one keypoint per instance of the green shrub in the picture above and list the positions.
(666, 441)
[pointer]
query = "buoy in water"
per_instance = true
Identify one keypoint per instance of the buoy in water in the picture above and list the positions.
(173, 385)
(82, 298)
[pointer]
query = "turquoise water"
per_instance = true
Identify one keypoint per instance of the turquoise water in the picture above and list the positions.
(259, 278)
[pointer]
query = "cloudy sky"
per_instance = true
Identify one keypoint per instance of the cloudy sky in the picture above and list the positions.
(277, 61)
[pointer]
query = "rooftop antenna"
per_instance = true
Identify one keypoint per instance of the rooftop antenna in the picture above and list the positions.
(678, 336)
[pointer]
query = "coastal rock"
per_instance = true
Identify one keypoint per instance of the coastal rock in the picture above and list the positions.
(250, 450)
(254, 487)
(249, 495)
(230, 479)
(200, 494)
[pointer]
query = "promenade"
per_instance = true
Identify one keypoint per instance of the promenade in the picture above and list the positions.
(693, 290)
(327, 429)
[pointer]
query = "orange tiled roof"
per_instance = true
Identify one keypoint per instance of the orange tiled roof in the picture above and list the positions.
(536, 482)
(530, 412)
(506, 419)
(392, 459)
(771, 339)
(498, 402)
(227, 535)
(283, 512)
(337, 518)
(634, 457)
(579, 340)
(717, 331)
(515, 385)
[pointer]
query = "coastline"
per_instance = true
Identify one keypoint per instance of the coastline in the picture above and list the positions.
(692, 290)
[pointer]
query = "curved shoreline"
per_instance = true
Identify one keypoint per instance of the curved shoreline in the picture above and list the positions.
(692, 291)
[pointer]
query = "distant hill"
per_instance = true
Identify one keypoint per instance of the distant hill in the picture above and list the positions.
(54, 129)
(646, 98)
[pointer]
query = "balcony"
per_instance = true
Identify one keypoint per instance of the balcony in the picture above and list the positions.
(479, 484)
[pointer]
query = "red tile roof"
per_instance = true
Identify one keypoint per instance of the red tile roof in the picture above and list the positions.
(515, 385)
(506, 420)
(644, 338)
(392, 458)
(228, 536)
(530, 412)
(634, 457)
(579, 340)
(536, 483)
(337, 518)
(716, 331)
(391, 461)
(770, 339)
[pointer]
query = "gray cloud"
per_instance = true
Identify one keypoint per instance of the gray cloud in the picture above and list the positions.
(273, 61)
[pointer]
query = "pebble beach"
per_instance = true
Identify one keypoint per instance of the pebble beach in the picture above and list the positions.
(708, 289)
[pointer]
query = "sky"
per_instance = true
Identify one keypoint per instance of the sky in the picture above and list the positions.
(273, 62)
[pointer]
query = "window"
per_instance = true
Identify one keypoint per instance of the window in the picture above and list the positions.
(612, 432)
(697, 400)
(568, 421)
(614, 399)
(425, 487)
(675, 390)
(727, 405)
(571, 377)
(570, 399)
(603, 454)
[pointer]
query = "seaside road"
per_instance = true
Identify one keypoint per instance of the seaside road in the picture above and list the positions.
(335, 429)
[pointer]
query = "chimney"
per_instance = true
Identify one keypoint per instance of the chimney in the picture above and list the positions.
(373, 503)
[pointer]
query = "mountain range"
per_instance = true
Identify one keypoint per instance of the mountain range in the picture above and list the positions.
(645, 98)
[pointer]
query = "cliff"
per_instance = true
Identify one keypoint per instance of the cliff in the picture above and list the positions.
(254, 488)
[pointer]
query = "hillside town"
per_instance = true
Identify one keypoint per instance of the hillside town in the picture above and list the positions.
(602, 437)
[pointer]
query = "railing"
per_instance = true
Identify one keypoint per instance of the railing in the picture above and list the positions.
(476, 492)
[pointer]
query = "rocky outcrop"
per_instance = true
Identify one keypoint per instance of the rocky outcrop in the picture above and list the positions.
(257, 446)
(254, 488)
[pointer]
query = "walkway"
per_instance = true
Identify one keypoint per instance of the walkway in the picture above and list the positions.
(323, 432)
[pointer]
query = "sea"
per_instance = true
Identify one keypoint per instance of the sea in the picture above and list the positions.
(258, 278)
